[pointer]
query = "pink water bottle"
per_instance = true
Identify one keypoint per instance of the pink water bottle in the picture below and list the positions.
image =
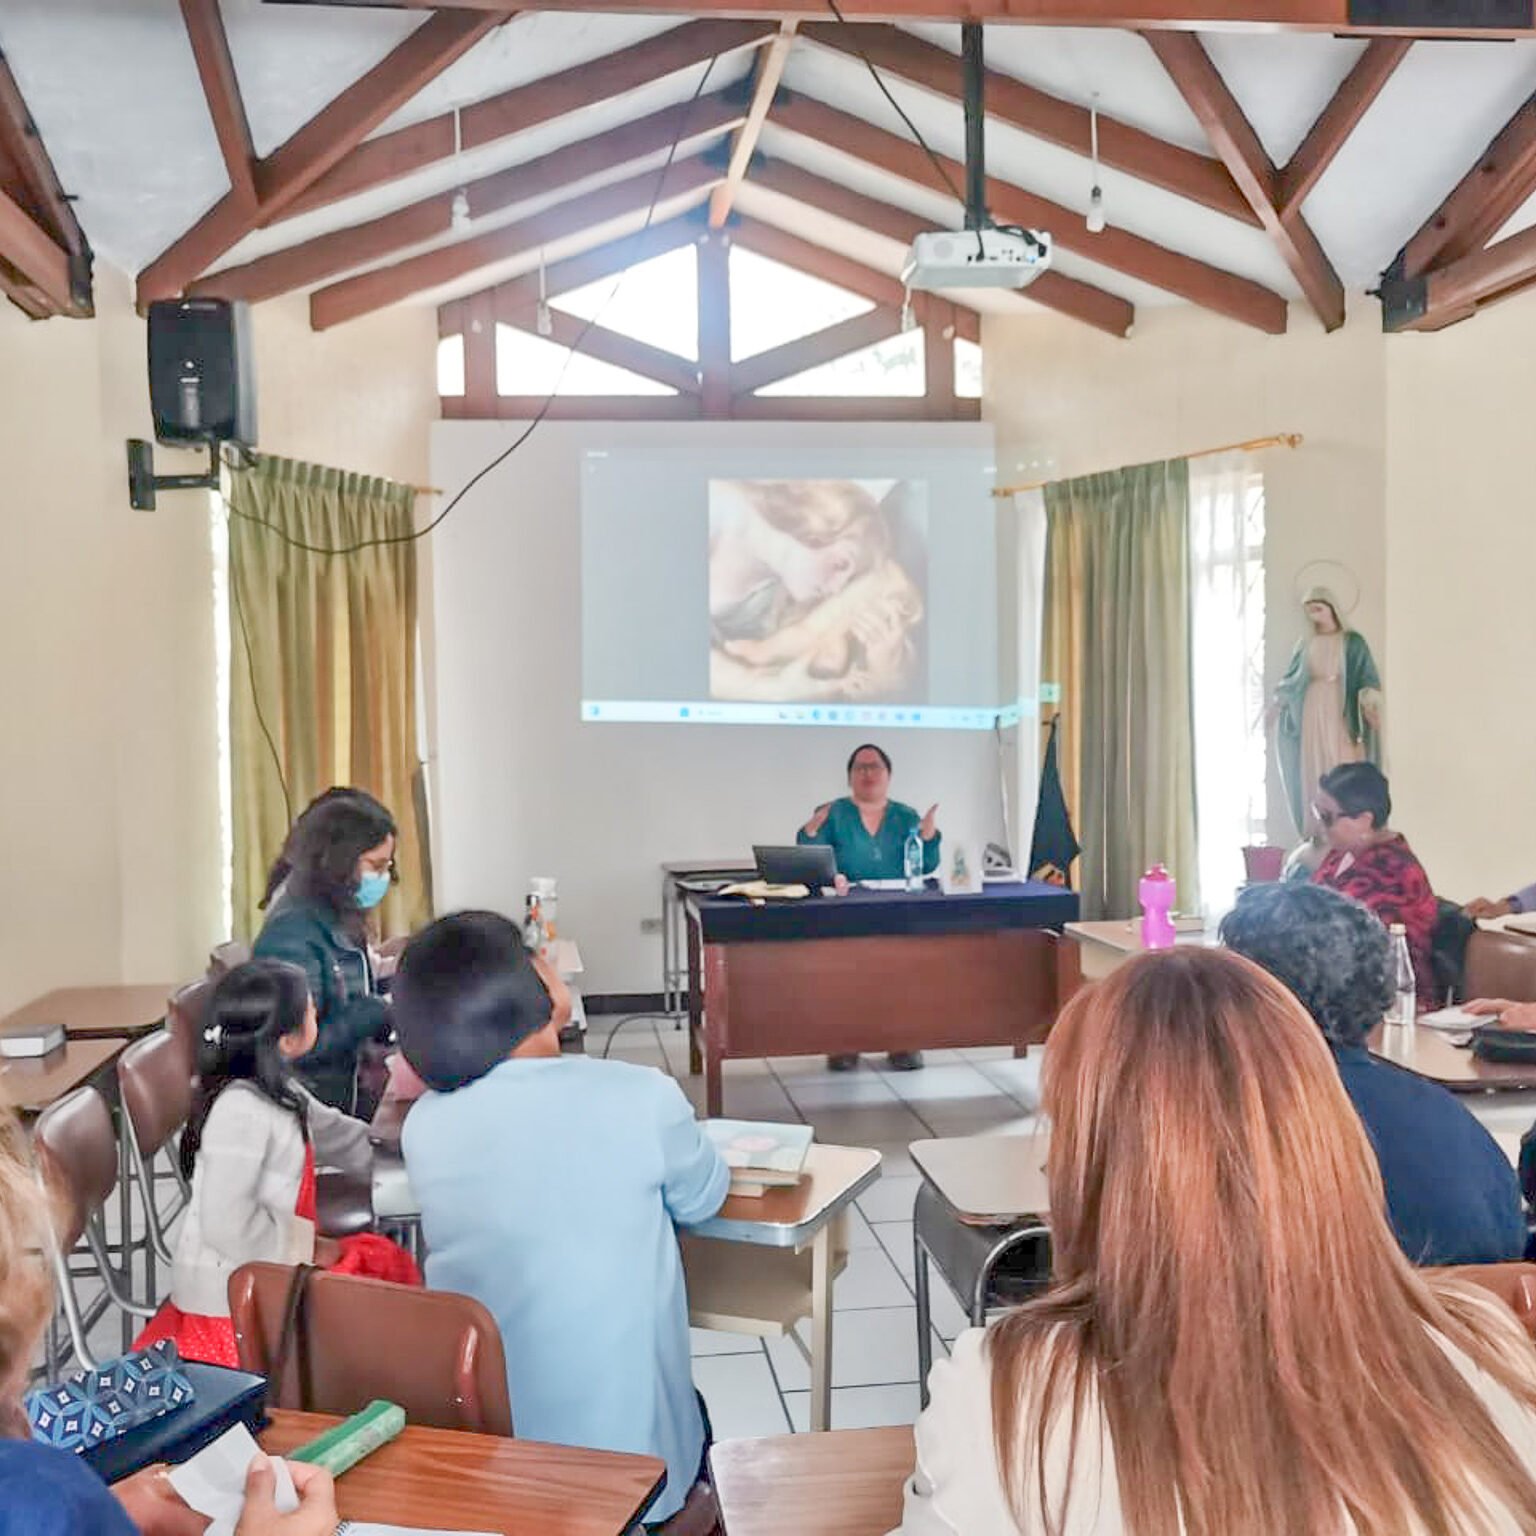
(1157, 890)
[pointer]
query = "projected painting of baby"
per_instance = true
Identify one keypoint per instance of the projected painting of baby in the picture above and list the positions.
(816, 590)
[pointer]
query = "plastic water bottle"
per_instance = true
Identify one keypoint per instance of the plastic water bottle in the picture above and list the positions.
(1156, 892)
(1405, 1003)
(912, 860)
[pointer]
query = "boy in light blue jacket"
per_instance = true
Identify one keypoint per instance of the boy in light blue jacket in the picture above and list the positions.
(550, 1189)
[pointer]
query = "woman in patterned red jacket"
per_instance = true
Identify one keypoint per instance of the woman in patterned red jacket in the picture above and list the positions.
(1369, 861)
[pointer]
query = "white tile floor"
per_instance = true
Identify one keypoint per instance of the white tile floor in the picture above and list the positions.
(756, 1387)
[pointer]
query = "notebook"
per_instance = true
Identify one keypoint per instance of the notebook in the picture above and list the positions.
(761, 1154)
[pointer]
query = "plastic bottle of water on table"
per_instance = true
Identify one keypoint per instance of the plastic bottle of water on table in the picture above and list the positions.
(1156, 892)
(1405, 1001)
(912, 860)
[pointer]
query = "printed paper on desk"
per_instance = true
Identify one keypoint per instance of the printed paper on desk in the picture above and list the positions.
(213, 1481)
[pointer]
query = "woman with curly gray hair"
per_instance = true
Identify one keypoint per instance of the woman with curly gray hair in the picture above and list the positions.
(1452, 1196)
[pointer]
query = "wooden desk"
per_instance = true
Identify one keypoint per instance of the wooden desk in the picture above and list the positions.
(1430, 1053)
(440, 1478)
(94, 1013)
(748, 1270)
(847, 1483)
(873, 971)
(30, 1084)
(989, 1181)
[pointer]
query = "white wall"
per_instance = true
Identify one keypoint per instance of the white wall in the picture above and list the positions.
(1067, 400)
(526, 787)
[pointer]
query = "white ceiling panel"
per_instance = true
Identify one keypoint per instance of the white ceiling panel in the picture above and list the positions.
(1077, 63)
(517, 149)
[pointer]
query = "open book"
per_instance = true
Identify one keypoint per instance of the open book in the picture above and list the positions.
(761, 1154)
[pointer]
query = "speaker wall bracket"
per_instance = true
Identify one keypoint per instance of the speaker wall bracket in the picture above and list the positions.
(143, 482)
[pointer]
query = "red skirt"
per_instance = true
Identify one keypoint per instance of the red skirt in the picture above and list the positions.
(211, 1340)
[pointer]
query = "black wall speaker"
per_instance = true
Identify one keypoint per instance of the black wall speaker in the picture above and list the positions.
(201, 384)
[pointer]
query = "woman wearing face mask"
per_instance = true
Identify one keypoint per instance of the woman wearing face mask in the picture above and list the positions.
(343, 862)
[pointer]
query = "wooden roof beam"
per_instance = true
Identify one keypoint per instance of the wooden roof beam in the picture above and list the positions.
(32, 251)
(1239, 298)
(344, 250)
(1054, 290)
(318, 146)
(597, 341)
(221, 89)
(1454, 292)
(370, 291)
(1200, 178)
(1328, 135)
(393, 155)
(1341, 17)
(765, 85)
(1481, 202)
(35, 189)
(1200, 84)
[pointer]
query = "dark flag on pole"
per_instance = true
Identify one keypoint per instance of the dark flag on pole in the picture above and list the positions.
(1054, 845)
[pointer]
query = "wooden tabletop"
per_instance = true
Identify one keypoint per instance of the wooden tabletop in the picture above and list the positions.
(991, 1181)
(29, 1084)
(444, 1479)
(1125, 936)
(93, 1013)
(789, 1216)
(1431, 1054)
(848, 1482)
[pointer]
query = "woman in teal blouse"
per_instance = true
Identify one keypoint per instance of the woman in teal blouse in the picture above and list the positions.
(867, 833)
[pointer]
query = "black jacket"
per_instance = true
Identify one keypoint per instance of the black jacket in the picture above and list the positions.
(341, 983)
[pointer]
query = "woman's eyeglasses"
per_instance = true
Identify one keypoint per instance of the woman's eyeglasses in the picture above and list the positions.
(1326, 818)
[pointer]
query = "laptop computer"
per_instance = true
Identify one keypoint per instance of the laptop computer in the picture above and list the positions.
(811, 865)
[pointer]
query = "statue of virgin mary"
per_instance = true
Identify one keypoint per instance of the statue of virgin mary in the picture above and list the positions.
(1327, 707)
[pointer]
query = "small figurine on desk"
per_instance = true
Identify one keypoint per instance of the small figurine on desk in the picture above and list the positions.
(1156, 892)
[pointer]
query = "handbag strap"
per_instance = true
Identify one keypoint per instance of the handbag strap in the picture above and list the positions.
(294, 1338)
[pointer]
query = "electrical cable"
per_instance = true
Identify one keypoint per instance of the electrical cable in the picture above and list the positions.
(922, 143)
(261, 720)
(912, 128)
(631, 1018)
(469, 485)
(506, 453)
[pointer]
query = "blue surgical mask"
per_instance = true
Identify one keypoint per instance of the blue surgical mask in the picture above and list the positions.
(371, 890)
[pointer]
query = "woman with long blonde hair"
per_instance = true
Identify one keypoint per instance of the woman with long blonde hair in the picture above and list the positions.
(1234, 1344)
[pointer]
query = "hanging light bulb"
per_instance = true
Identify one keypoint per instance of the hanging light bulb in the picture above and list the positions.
(458, 209)
(543, 320)
(1095, 221)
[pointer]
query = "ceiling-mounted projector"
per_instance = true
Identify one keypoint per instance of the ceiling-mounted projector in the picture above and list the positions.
(976, 258)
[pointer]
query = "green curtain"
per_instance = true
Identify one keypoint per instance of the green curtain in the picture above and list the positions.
(327, 645)
(1116, 642)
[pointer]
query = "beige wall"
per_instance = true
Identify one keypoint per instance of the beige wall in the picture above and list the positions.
(1068, 400)
(1414, 474)
(109, 783)
(1461, 579)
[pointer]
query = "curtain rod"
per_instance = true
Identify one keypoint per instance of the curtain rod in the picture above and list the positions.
(1253, 445)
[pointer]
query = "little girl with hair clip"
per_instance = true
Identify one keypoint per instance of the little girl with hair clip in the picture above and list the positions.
(250, 1149)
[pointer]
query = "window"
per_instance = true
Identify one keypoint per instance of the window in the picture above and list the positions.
(892, 368)
(450, 366)
(1226, 552)
(773, 305)
(655, 301)
(530, 365)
